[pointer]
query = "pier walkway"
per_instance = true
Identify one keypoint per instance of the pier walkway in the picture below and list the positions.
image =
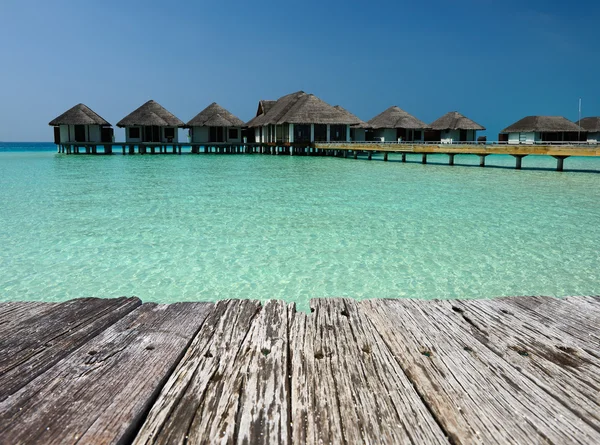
(509, 370)
(559, 151)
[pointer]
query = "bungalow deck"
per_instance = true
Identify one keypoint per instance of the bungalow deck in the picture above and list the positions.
(508, 370)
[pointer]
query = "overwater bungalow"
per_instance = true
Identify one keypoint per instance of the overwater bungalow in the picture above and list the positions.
(591, 125)
(453, 127)
(535, 129)
(301, 118)
(215, 124)
(256, 132)
(151, 123)
(358, 130)
(81, 125)
(396, 125)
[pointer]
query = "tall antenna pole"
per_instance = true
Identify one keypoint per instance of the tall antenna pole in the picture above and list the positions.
(579, 123)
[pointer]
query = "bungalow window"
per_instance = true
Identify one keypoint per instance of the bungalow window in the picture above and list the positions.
(170, 133)
(134, 133)
(233, 133)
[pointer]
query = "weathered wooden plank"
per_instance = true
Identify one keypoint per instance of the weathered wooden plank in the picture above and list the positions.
(565, 315)
(314, 405)
(100, 393)
(543, 354)
(13, 313)
(476, 395)
(346, 385)
(200, 401)
(263, 414)
(29, 348)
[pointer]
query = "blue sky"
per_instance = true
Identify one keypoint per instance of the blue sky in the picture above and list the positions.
(493, 61)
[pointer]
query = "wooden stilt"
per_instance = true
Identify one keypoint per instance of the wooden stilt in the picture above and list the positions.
(385, 156)
(370, 155)
(403, 157)
(355, 154)
(482, 160)
(424, 158)
(451, 158)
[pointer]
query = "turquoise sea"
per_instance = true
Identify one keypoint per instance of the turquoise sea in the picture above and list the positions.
(197, 227)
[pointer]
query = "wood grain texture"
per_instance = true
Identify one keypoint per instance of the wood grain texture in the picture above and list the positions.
(101, 392)
(47, 334)
(507, 370)
(571, 316)
(467, 385)
(200, 401)
(13, 313)
(546, 356)
(347, 386)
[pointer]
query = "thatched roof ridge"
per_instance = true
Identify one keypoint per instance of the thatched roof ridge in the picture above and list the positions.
(455, 121)
(590, 124)
(151, 113)
(215, 116)
(395, 117)
(264, 106)
(80, 114)
(309, 109)
(545, 124)
(279, 109)
(302, 108)
(360, 123)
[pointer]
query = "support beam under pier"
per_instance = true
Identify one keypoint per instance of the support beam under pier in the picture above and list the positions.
(518, 159)
(482, 160)
(560, 161)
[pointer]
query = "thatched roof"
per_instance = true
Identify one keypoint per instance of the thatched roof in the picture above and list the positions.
(151, 113)
(264, 106)
(590, 124)
(79, 115)
(544, 124)
(215, 116)
(360, 124)
(455, 121)
(395, 117)
(301, 108)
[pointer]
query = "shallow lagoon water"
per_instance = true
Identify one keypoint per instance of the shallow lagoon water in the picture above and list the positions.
(195, 227)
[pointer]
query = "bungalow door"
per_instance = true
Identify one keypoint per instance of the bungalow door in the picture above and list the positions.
(152, 133)
(463, 135)
(79, 133)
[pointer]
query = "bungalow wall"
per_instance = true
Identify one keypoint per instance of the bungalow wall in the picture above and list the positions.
(138, 133)
(453, 136)
(201, 135)
(358, 134)
(593, 137)
(93, 133)
(388, 134)
(391, 134)
(524, 138)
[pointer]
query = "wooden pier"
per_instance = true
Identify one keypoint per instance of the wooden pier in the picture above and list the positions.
(346, 150)
(558, 151)
(508, 370)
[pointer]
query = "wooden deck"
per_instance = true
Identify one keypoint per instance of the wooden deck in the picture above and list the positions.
(510, 370)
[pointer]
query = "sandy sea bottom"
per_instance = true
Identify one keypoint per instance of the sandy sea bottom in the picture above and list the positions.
(181, 228)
